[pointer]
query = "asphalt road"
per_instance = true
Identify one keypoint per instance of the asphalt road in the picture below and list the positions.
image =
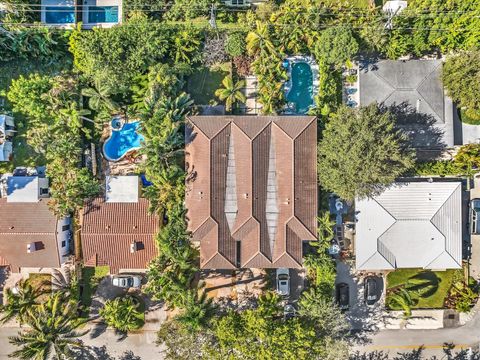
(394, 341)
(106, 346)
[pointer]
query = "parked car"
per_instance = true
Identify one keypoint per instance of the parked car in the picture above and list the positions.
(127, 281)
(343, 296)
(283, 281)
(474, 214)
(370, 290)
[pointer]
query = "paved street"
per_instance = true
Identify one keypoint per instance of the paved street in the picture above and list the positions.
(433, 340)
(105, 346)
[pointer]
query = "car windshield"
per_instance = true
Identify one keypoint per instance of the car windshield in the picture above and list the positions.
(476, 205)
(129, 282)
(283, 277)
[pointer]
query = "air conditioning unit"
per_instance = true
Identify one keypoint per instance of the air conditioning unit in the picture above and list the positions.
(31, 247)
(133, 247)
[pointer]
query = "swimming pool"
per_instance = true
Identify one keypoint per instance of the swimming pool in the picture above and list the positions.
(122, 141)
(59, 14)
(103, 14)
(301, 90)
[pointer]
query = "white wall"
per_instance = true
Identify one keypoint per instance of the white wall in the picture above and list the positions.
(63, 236)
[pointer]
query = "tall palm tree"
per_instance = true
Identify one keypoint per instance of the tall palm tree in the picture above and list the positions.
(198, 310)
(185, 45)
(100, 97)
(19, 302)
(53, 327)
(231, 92)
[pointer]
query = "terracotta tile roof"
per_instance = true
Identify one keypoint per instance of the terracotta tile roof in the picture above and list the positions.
(108, 229)
(25, 223)
(251, 179)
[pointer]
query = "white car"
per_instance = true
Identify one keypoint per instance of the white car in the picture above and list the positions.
(127, 281)
(283, 281)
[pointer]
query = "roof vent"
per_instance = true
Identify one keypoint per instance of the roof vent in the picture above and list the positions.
(135, 226)
(133, 246)
(107, 227)
(31, 247)
(12, 227)
(419, 101)
(245, 195)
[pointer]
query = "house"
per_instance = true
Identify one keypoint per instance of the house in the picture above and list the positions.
(31, 236)
(7, 131)
(410, 225)
(414, 91)
(117, 230)
(251, 193)
(91, 13)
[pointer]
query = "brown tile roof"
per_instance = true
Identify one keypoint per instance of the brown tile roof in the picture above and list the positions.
(251, 179)
(25, 223)
(108, 229)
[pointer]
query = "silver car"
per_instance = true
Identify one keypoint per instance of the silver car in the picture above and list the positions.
(127, 281)
(283, 281)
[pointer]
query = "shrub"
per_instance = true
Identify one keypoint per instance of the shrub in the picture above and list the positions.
(242, 65)
(235, 44)
(123, 313)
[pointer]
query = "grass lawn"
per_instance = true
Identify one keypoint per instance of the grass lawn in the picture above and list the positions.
(203, 83)
(91, 276)
(431, 300)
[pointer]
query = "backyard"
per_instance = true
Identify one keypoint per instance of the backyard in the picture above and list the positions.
(428, 288)
(203, 82)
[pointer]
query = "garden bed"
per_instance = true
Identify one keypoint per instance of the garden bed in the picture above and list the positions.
(433, 286)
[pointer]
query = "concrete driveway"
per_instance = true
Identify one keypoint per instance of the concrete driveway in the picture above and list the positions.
(155, 312)
(360, 315)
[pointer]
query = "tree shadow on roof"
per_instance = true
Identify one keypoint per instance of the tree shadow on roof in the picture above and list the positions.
(422, 129)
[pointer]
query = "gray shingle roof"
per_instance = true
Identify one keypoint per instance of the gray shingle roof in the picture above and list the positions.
(416, 83)
(410, 225)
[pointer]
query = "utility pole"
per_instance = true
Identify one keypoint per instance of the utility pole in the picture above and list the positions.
(212, 21)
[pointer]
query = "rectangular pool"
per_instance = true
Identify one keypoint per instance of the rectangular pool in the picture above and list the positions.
(59, 14)
(102, 14)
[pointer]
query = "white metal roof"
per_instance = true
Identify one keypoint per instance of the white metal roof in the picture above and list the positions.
(23, 189)
(417, 224)
(121, 189)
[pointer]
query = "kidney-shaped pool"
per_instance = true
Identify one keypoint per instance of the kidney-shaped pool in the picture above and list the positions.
(122, 140)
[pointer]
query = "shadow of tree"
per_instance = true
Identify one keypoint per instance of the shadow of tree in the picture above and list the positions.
(425, 283)
(422, 129)
(100, 353)
(417, 354)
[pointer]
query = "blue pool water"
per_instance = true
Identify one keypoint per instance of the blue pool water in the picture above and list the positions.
(301, 92)
(103, 14)
(122, 141)
(59, 14)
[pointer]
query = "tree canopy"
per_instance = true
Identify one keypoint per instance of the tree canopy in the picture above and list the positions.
(461, 78)
(362, 152)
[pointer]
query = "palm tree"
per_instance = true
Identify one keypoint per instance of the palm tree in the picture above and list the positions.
(260, 41)
(198, 310)
(19, 302)
(404, 299)
(100, 97)
(325, 227)
(53, 327)
(231, 92)
(122, 313)
(185, 45)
